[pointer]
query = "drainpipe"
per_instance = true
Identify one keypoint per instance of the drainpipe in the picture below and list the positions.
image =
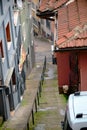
(56, 27)
(30, 31)
(55, 38)
(1, 74)
(55, 33)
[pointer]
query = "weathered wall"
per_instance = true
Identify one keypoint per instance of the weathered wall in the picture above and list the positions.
(63, 69)
(83, 70)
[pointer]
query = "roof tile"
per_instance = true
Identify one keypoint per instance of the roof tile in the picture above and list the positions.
(51, 4)
(68, 19)
(76, 38)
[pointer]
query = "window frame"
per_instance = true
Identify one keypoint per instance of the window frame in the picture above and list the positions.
(1, 49)
(1, 7)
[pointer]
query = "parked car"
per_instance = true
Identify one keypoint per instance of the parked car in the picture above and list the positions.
(76, 112)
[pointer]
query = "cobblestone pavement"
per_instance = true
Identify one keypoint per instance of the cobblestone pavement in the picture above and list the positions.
(52, 105)
(42, 49)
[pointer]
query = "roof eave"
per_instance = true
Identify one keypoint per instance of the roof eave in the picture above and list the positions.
(70, 49)
(46, 14)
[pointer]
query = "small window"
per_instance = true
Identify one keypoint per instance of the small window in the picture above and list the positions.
(1, 50)
(18, 3)
(13, 78)
(47, 24)
(15, 2)
(14, 89)
(1, 7)
(8, 36)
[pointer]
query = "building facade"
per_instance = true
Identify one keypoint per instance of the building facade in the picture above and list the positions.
(36, 20)
(70, 41)
(16, 54)
(41, 27)
(72, 46)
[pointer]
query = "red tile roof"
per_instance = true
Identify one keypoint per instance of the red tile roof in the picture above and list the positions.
(70, 17)
(51, 4)
(75, 38)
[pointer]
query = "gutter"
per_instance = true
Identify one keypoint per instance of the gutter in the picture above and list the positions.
(70, 49)
(49, 13)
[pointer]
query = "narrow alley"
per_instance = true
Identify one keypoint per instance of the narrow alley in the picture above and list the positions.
(46, 111)
(52, 105)
(43, 54)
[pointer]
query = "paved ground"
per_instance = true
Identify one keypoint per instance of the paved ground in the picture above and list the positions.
(42, 49)
(52, 105)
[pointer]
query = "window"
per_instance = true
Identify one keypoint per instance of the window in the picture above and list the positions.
(14, 81)
(8, 36)
(47, 24)
(18, 3)
(15, 1)
(15, 4)
(13, 78)
(1, 50)
(1, 7)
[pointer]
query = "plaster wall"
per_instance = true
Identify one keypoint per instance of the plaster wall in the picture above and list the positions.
(83, 70)
(63, 68)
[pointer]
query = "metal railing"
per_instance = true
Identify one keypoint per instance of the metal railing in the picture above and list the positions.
(31, 108)
(38, 95)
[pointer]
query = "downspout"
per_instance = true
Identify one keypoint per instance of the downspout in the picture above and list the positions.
(56, 26)
(1, 74)
(55, 38)
(56, 29)
(29, 30)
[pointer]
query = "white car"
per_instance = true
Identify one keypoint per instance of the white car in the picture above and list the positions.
(76, 112)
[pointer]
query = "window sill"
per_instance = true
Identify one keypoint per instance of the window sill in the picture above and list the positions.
(3, 60)
(9, 45)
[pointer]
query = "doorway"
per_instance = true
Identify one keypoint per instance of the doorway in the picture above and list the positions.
(74, 73)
